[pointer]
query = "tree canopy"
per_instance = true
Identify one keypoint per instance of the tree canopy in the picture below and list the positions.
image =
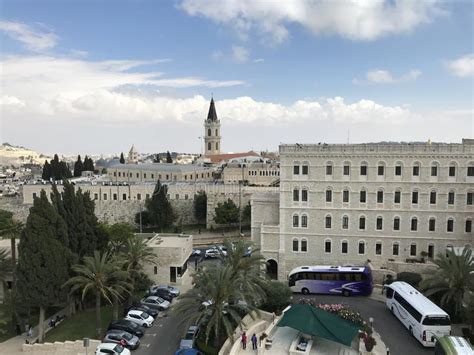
(169, 159)
(226, 213)
(200, 206)
(56, 170)
(159, 212)
(122, 159)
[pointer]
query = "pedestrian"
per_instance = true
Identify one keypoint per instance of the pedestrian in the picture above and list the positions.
(30, 331)
(196, 262)
(254, 341)
(244, 341)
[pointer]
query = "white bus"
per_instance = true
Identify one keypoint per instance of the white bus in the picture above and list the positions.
(423, 319)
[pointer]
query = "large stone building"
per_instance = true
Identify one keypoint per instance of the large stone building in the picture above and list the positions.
(344, 204)
(259, 172)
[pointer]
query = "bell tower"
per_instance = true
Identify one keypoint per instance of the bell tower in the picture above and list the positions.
(212, 131)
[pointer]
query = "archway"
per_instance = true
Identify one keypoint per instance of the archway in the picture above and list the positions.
(272, 269)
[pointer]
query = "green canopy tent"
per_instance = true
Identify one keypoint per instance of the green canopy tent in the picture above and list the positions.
(314, 321)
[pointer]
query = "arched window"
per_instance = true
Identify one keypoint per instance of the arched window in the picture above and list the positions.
(380, 196)
(328, 195)
(363, 196)
(451, 197)
(361, 247)
(296, 168)
(345, 222)
(381, 168)
(432, 224)
(296, 221)
(431, 251)
(397, 196)
(414, 224)
(329, 166)
(362, 222)
(434, 171)
(378, 248)
(344, 247)
(450, 225)
(416, 169)
(209, 147)
(413, 249)
(209, 132)
(304, 194)
(327, 222)
(398, 168)
(304, 245)
(304, 221)
(395, 249)
(295, 244)
(379, 223)
(296, 194)
(327, 246)
(452, 169)
(345, 195)
(305, 168)
(363, 168)
(396, 223)
(468, 226)
(346, 168)
(433, 197)
(217, 146)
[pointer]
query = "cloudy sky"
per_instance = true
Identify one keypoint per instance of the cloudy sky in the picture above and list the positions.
(98, 76)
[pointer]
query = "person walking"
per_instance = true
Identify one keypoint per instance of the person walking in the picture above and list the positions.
(254, 341)
(244, 341)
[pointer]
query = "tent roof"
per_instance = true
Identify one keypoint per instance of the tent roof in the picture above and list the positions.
(314, 321)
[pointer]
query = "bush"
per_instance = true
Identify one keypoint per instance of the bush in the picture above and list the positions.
(278, 296)
(143, 282)
(411, 278)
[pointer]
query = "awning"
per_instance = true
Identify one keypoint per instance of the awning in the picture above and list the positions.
(314, 321)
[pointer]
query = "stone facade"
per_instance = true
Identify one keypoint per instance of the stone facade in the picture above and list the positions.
(323, 218)
(255, 173)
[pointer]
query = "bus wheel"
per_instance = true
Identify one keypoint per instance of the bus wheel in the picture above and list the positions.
(346, 293)
(305, 291)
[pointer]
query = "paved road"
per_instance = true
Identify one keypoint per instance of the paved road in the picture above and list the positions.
(393, 333)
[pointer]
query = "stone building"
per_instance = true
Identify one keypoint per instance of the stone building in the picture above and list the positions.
(261, 173)
(132, 156)
(344, 204)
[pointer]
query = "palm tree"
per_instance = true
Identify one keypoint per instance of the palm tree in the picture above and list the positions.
(104, 277)
(5, 266)
(211, 304)
(12, 229)
(452, 280)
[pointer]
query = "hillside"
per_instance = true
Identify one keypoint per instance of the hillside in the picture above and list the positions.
(16, 156)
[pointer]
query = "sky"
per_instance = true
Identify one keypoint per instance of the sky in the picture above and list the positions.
(95, 77)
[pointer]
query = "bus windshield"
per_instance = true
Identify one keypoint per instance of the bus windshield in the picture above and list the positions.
(433, 320)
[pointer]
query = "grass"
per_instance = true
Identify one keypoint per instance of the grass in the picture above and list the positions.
(80, 325)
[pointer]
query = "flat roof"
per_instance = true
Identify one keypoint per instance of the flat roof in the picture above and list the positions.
(166, 167)
(167, 240)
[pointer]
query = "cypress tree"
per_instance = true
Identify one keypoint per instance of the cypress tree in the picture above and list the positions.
(46, 175)
(122, 159)
(160, 212)
(43, 260)
(88, 164)
(169, 159)
(78, 166)
(64, 171)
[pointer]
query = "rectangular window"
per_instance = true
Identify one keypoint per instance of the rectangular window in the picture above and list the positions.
(304, 245)
(305, 169)
(363, 196)
(469, 198)
(144, 175)
(432, 225)
(304, 195)
(295, 221)
(105, 197)
(379, 224)
(414, 224)
(414, 197)
(96, 196)
(139, 196)
(345, 222)
(413, 250)
(152, 176)
(115, 173)
(363, 170)
(397, 197)
(395, 249)
(344, 248)
(295, 244)
(380, 170)
(328, 195)
(470, 171)
(416, 170)
(304, 221)
(379, 196)
(327, 246)
(452, 171)
(155, 270)
(468, 228)
(345, 196)
(396, 224)
(398, 170)
(296, 195)
(124, 196)
(433, 197)
(362, 223)
(451, 196)
(434, 171)
(138, 175)
(328, 222)
(378, 248)
(346, 170)
(328, 169)
(450, 225)
(296, 170)
(114, 197)
(361, 248)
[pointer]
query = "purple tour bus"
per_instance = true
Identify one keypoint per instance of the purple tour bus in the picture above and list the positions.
(345, 280)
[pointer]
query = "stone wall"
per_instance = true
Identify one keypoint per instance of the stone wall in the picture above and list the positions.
(215, 199)
(67, 347)
(15, 205)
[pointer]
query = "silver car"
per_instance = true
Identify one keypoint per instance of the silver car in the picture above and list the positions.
(188, 341)
(174, 291)
(123, 338)
(156, 303)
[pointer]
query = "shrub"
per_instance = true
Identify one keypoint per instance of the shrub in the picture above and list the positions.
(411, 278)
(278, 296)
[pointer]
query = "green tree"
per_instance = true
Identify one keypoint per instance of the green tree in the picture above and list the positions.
(5, 266)
(46, 175)
(78, 166)
(169, 159)
(122, 159)
(10, 228)
(88, 164)
(226, 213)
(247, 214)
(43, 260)
(160, 211)
(118, 235)
(200, 206)
(277, 295)
(452, 280)
(101, 275)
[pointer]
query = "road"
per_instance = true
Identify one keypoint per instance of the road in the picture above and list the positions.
(393, 333)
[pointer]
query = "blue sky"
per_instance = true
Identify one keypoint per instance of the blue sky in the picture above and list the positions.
(124, 72)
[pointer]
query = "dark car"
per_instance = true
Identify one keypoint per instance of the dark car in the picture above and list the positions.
(163, 293)
(128, 326)
(141, 307)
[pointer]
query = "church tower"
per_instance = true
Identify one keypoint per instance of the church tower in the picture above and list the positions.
(212, 131)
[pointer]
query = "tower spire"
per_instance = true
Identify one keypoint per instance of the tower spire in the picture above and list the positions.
(212, 114)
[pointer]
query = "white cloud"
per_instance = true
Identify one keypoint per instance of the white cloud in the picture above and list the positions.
(358, 20)
(36, 40)
(462, 67)
(240, 54)
(379, 76)
(259, 60)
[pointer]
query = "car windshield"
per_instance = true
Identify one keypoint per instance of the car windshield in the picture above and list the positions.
(118, 349)
(436, 321)
(145, 315)
(127, 336)
(189, 335)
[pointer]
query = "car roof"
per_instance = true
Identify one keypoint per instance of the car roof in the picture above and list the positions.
(192, 328)
(107, 345)
(116, 332)
(156, 298)
(134, 311)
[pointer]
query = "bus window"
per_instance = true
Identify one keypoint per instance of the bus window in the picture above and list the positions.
(389, 292)
(431, 320)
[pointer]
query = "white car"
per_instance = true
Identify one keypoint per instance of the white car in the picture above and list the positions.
(140, 317)
(214, 252)
(156, 302)
(111, 349)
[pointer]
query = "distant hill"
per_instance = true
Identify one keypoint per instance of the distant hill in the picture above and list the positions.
(17, 156)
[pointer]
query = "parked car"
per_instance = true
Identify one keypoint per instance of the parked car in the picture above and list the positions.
(123, 338)
(128, 326)
(188, 352)
(173, 290)
(156, 303)
(188, 341)
(111, 349)
(140, 317)
(165, 294)
(196, 252)
(215, 251)
(141, 307)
